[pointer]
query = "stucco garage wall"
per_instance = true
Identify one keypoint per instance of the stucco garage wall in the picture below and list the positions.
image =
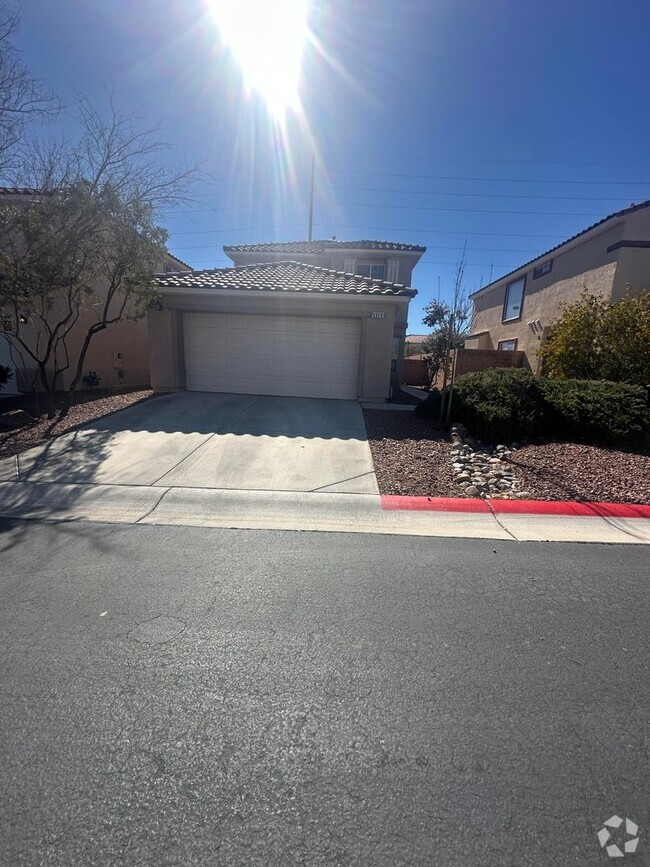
(166, 330)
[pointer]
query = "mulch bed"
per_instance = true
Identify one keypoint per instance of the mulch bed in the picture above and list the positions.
(411, 454)
(412, 458)
(572, 471)
(13, 442)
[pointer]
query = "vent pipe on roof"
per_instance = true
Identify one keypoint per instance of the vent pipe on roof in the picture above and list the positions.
(311, 197)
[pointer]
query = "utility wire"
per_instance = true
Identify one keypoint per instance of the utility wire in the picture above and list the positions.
(409, 208)
(277, 191)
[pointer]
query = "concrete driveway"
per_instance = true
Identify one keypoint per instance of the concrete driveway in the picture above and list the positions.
(200, 440)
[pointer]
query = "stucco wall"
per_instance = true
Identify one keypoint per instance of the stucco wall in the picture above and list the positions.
(128, 338)
(166, 330)
(586, 266)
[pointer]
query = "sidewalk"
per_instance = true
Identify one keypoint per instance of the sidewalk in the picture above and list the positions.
(340, 513)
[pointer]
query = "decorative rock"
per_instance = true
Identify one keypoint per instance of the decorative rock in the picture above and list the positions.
(472, 491)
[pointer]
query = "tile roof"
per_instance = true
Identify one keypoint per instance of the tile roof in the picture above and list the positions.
(285, 277)
(180, 261)
(321, 245)
(622, 213)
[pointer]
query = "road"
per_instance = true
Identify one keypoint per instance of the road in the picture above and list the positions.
(181, 696)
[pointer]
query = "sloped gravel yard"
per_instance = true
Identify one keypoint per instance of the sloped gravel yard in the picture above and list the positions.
(412, 458)
(572, 471)
(90, 407)
(411, 455)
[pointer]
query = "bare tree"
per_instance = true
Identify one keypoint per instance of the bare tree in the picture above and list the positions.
(23, 98)
(81, 253)
(450, 325)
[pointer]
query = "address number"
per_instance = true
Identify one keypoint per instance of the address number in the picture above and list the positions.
(377, 315)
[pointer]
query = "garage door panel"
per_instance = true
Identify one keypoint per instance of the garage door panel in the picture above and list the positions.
(279, 355)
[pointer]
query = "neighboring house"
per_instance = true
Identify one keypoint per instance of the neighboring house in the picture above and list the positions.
(413, 344)
(515, 312)
(279, 328)
(119, 355)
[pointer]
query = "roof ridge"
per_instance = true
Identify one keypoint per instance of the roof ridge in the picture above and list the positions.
(305, 278)
(303, 265)
(319, 244)
(623, 212)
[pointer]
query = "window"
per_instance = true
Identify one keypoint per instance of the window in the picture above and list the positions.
(508, 345)
(514, 300)
(374, 270)
(546, 268)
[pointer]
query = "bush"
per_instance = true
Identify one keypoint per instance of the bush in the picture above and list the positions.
(601, 412)
(430, 408)
(500, 404)
(509, 404)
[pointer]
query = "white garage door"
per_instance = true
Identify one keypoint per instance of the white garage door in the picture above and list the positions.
(285, 355)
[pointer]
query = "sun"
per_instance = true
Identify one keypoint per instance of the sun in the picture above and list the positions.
(267, 38)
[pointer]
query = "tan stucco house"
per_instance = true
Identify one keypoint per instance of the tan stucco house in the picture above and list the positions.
(286, 327)
(118, 355)
(515, 311)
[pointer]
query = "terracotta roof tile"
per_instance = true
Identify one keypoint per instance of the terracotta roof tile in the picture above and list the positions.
(284, 277)
(320, 246)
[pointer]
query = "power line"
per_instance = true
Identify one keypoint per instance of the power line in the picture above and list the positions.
(411, 208)
(280, 191)
(473, 249)
(384, 229)
(491, 180)
(505, 162)
(469, 264)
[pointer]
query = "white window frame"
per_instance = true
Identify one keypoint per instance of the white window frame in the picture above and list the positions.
(370, 266)
(506, 301)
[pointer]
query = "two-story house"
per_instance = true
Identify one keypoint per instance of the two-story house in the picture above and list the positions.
(515, 311)
(389, 261)
(323, 319)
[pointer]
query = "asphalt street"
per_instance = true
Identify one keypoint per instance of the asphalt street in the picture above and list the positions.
(182, 696)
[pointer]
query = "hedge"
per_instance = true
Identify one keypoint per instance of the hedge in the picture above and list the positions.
(508, 404)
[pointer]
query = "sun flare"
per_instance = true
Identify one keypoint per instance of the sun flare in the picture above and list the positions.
(267, 38)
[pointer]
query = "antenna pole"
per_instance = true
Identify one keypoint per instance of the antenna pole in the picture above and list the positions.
(311, 197)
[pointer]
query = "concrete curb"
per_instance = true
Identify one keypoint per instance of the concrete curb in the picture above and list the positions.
(318, 512)
(515, 507)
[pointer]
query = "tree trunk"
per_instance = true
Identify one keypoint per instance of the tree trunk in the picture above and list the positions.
(48, 392)
(82, 357)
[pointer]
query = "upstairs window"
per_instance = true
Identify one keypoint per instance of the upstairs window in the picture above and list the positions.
(514, 300)
(374, 270)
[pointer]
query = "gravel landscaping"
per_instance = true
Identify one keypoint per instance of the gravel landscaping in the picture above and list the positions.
(572, 471)
(413, 457)
(88, 408)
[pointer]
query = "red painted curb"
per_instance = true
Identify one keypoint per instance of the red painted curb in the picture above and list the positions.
(514, 507)
(544, 507)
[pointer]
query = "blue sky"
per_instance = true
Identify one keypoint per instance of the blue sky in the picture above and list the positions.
(510, 125)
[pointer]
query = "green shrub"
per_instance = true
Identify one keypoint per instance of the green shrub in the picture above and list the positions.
(510, 404)
(601, 412)
(430, 408)
(500, 404)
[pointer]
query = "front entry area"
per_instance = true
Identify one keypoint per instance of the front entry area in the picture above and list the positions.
(293, 356)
